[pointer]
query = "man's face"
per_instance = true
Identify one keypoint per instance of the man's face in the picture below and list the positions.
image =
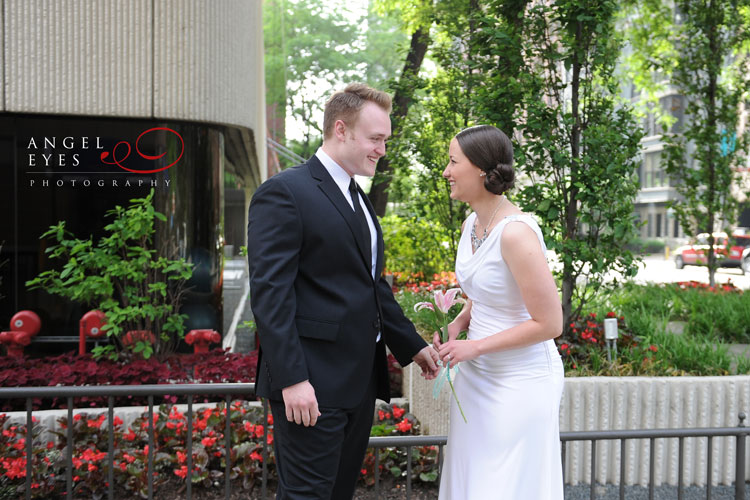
(364, 143)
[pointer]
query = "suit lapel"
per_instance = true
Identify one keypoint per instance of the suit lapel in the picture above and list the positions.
(334, 194)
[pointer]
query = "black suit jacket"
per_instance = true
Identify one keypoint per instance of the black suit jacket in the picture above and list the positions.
(316, 306)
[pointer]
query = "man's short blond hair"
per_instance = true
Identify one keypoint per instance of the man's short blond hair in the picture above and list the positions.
(346, 104)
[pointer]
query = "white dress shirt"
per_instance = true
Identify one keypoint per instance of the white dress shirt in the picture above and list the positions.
(342, 180)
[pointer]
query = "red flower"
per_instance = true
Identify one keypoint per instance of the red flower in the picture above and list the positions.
(182, 472)
(249, 427)
(653, 348)
(258, 430)
(398, 412)
(564, 347)
(256, 456)
(270, 419)
(381, 415)
(208, 441)
(118, 421)
(403, 426)
(130, 435)
(611, 314)
(15, 467)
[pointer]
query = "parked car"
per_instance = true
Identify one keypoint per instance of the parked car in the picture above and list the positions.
(731, 251)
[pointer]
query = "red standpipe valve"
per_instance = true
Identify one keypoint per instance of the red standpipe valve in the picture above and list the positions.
(201, 339)
(90, 326)
(23, 326)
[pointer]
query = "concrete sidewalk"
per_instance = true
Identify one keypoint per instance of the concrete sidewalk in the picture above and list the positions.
(236, 306)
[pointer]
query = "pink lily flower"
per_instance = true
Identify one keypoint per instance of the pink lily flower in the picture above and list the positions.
(423, 305)
(444, 301)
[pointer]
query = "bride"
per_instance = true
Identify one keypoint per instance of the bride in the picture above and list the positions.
(511, 378)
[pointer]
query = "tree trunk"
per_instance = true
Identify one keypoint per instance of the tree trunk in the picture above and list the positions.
(571, 208)
(401, 101)
(712, 202)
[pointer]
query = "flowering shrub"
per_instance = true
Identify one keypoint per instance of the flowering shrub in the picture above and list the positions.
(416, 282)
(587, 336)
(130, 464)
(392, 420)
(726, 287)
(70, 369)
(584, 352)
(130, 455)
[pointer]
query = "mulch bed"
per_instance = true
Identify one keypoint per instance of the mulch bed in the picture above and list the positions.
(389, 490)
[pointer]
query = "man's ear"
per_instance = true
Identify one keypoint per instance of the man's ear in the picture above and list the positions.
(339, 130)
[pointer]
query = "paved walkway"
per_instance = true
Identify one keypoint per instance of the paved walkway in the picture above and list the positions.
(237, 310)
(611, 492)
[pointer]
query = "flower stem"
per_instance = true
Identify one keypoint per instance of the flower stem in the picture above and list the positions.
(456, 397)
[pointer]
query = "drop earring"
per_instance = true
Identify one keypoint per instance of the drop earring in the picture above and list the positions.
(482, 174)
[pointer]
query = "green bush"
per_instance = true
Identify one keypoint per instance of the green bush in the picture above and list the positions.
(718, 314)
(136, 287)
(414, 245)
(641, 246)
(711, 318)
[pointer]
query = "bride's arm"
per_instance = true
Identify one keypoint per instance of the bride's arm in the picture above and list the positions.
(523, 254)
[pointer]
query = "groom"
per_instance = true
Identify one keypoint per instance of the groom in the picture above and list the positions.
(323, 311)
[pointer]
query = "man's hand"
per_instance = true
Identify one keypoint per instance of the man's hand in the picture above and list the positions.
(301, 404)
(427, 361)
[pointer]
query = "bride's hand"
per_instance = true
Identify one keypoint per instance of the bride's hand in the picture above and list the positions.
(453, 352)
(453, 331)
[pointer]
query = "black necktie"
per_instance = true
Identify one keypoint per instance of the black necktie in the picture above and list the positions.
(362, 221)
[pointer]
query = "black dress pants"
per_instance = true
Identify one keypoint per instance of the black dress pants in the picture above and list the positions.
(322, 462)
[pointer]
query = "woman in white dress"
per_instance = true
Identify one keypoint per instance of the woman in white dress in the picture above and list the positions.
(510, 379)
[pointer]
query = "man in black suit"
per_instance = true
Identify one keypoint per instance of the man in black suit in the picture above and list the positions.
(323, 310)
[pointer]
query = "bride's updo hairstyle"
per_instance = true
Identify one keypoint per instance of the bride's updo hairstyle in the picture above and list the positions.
(489, 148)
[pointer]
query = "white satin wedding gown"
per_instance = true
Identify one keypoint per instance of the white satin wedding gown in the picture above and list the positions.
(510, 447)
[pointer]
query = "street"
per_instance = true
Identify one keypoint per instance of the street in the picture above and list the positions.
(655, 269)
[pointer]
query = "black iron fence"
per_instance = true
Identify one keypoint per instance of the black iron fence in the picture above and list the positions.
(245, 391)
(740, 433)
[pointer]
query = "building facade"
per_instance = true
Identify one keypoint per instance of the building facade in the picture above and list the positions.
(104, 101)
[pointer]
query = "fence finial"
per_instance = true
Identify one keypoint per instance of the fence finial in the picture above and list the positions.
(742, 418)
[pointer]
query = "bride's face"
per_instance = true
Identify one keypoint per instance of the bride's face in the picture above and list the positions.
(463, 176)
